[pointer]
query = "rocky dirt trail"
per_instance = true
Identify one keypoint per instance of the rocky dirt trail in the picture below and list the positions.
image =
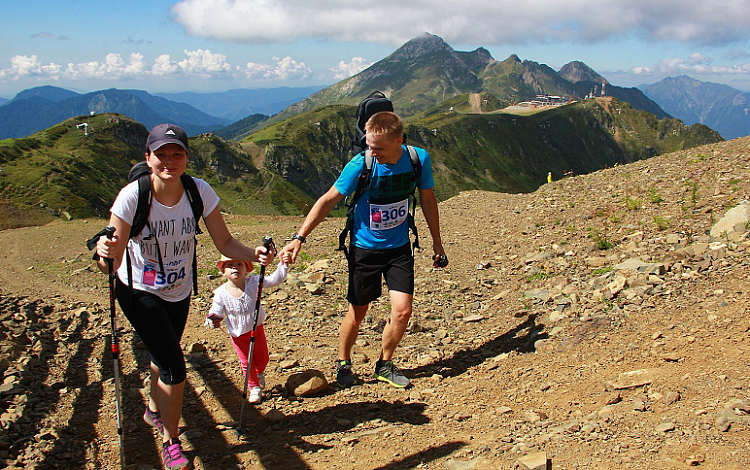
(594, 324)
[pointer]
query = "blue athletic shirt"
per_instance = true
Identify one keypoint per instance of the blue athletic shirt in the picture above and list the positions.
(380, 216)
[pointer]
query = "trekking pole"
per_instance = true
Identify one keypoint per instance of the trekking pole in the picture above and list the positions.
(269, 245)
(109, 231)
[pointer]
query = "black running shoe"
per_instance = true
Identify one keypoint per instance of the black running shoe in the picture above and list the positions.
(344, 376)
(389, 373)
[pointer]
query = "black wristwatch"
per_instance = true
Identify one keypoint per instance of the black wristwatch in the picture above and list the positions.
(299, 237)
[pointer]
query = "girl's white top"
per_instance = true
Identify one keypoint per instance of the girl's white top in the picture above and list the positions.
(238, 312)
(174, 229)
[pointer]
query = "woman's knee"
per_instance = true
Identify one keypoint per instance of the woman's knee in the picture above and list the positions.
(173, 375)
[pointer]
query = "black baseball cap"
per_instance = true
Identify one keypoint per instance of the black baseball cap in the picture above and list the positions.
(166, 134)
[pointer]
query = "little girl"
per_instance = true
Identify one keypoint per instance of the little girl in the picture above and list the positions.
(234, 301)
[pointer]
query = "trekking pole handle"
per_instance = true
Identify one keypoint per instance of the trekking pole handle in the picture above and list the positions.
(109, 231)
(268, 244)
(441, 260)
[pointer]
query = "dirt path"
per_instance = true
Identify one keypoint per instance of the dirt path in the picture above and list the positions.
(475, 100)
(531, 340)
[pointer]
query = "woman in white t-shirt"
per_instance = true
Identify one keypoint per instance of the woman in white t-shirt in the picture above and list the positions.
(157, 305)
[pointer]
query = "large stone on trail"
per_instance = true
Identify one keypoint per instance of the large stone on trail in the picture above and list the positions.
(735, 220)
(535, 461)
(640, 266)
(314, 278)
(629, 380)
(619, 283)
(735, 411)
(307, 383)
(537, 295)
(274, 416)
(314, 289)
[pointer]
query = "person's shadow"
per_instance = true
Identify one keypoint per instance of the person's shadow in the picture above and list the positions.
(520, 339)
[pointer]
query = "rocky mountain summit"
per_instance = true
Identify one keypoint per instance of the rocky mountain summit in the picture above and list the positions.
(598, 322)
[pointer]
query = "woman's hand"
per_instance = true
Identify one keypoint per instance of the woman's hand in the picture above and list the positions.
(265, 257)
(107, 248)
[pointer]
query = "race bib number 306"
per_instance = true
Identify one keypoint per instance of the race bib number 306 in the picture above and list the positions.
(388, 216)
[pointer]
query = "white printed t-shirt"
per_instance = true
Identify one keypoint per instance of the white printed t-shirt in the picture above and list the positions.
(173, 228)
(237, 312)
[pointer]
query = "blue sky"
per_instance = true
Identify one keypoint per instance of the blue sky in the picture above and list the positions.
(216, 45)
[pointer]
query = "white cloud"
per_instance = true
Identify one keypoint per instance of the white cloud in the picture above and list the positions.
(196, 64)
(394, 22)
(163, 65)
(696, 64)
(284, 69)
(699, 59)
(113, 67)
(205, 63)
(347, 69)
(29, 66)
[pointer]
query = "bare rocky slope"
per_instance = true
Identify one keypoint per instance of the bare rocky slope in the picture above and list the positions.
(595, 323)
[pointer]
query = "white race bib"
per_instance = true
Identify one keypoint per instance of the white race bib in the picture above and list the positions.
(388, 216)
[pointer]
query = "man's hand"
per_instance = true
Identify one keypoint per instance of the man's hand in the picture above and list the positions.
(440, 259)
(291, 251)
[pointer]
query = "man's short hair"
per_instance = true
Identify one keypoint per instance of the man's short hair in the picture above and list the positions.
(385, 123)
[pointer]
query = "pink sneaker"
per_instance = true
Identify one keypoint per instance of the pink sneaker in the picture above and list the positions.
(174, 458)
(154, 419)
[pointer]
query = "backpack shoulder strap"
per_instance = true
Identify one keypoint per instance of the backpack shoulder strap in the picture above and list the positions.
(367, 169)
(140, 219)
(362, 182)
(417, 167)
(196, 204)
(416, 164)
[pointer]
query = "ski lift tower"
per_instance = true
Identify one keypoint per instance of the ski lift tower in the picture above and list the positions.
(85, 127)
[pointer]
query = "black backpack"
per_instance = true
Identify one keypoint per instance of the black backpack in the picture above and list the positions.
(375, 103)
(141, 172)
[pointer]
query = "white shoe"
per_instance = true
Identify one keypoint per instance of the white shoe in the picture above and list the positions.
(262, 380)
(255, 395)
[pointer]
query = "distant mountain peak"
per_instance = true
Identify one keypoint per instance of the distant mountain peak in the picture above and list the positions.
(425, 43)
(578, 71)
(48, 92)
(718, 106)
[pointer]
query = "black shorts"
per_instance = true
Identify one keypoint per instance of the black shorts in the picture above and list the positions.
(160, 325)
(367, 266)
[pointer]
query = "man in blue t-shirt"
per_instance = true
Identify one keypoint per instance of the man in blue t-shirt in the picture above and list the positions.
(380, 240)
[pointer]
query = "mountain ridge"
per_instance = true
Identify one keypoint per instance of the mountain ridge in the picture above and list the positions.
(721, 107)
(426, 71)
(237, 104)
(33, 111)
(293, 162)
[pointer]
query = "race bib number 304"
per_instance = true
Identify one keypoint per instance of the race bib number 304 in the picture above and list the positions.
(388, 216)
(154, 278)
